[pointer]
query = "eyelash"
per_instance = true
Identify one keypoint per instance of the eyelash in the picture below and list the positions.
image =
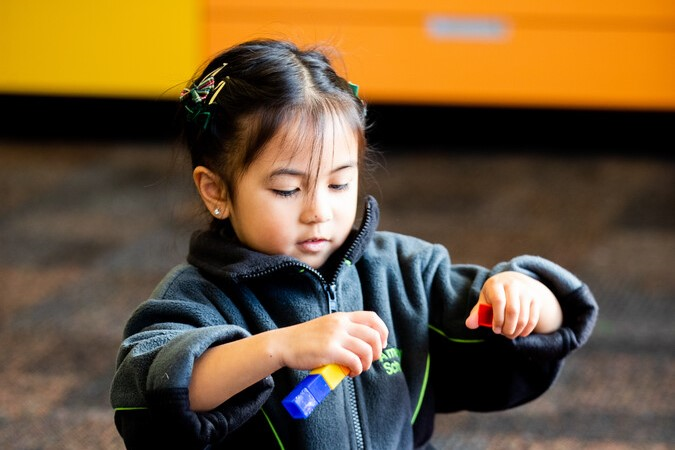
(285, 194)
(291, 193)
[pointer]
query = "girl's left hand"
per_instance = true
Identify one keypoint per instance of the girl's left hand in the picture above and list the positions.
(520, 305)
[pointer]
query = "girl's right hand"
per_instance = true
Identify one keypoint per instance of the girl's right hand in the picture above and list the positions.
(350, 339)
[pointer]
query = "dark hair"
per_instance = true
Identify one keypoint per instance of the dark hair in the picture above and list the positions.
(266, 85)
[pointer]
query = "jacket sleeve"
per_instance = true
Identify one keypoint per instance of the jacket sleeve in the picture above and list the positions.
(481, 371)
(163, 338)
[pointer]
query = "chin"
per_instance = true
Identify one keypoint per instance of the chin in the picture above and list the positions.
(314, 263)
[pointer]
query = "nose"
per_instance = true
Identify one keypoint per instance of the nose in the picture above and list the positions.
(316, 209)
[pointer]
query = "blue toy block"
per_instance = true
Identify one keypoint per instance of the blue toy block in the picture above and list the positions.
(306, 396)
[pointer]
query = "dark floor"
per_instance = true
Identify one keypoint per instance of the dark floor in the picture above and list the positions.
(88, 228)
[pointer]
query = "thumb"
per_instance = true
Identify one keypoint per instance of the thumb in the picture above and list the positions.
(472, 321)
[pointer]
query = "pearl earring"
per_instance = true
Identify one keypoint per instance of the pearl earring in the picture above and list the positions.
(216, 211)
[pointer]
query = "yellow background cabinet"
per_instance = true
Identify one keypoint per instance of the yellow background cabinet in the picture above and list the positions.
(579, 54)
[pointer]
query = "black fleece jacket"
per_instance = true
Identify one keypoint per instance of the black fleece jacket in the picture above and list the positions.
(432, 363)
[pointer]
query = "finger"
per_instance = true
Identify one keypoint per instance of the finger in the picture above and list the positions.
(351, 361)
(511, 310)
(523, 316)
(373, 321)
(496, 297)
(533, 319)
(370, 337)
(363, 351)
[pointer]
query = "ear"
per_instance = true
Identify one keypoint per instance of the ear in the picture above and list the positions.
(212, 191)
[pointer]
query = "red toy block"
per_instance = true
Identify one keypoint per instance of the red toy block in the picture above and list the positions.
(485, 315)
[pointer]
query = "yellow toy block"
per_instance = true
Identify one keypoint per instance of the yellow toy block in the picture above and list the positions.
(332, 373)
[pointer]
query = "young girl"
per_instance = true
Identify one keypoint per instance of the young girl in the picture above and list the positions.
(284, 282)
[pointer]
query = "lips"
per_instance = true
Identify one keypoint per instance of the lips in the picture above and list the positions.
(313, 245)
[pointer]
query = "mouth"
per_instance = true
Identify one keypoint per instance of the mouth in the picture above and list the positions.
(314, 245)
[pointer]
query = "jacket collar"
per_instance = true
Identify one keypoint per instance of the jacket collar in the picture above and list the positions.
(220, 254)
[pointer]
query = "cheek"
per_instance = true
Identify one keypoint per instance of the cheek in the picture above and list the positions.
(348, 206)
(271, 223)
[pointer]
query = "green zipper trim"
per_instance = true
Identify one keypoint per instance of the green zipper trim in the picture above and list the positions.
(276, 435)
(422, 391)
(460, 341)
(269, 421)
(428, 365)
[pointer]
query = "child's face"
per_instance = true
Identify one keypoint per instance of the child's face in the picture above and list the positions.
(287, 204)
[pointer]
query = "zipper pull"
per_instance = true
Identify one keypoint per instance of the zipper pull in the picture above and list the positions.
(332, 297)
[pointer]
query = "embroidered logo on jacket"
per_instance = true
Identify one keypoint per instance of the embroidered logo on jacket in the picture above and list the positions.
(391, 360)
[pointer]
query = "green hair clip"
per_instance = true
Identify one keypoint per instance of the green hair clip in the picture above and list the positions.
(355, 88)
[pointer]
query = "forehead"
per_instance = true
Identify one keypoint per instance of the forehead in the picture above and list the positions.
(316, 143)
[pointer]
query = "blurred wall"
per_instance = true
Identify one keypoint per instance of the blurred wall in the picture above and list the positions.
(102, 48)
(616, 54)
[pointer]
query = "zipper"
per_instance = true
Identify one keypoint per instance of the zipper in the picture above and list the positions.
(364, 226)
(356, 418)
(331, 292)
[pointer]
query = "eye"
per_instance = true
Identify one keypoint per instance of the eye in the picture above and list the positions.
(339, 187)
(286, 194)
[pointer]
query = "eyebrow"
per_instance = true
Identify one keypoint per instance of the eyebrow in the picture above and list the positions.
(298, 173)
